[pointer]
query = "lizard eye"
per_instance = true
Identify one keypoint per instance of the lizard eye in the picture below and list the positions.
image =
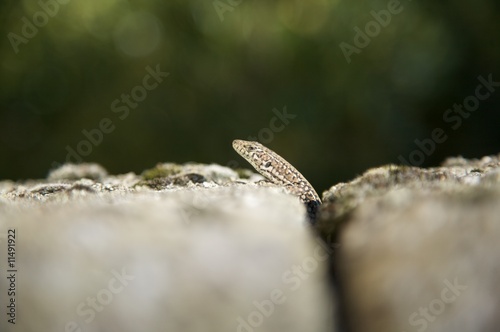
(267, 165)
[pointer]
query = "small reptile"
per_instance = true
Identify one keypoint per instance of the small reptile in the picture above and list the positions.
(279, 171)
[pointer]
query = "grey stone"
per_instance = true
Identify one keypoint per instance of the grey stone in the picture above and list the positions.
(110, 253)
(418, 248)
(77, 171)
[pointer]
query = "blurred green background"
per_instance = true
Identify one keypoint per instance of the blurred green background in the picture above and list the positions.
(76, 76)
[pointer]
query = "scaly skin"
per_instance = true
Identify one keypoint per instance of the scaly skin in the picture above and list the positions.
(279, 171)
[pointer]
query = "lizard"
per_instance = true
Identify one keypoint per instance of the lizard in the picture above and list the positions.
(280, 172)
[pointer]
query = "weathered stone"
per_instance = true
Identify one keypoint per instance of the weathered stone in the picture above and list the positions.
(110, 255)
(418, 248)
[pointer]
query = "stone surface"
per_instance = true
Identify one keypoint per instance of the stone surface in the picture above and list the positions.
(209, 249)
(419, 249)
(195, 248)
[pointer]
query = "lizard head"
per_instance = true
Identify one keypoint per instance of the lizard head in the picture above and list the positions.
(253, 152)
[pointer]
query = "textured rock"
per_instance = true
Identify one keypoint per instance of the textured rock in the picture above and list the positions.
(419, 248)
(77, 172)
(196, 252)
(205, 248)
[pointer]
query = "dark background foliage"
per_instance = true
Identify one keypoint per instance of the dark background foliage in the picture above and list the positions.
(232, 65)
